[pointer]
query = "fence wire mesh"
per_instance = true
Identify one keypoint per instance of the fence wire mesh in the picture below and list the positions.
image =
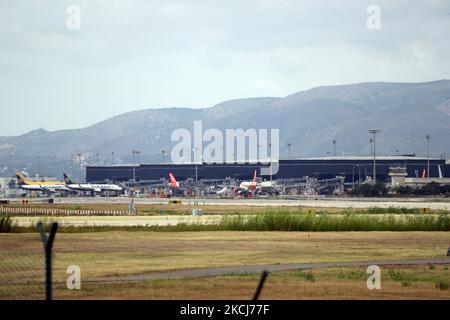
(22, 275)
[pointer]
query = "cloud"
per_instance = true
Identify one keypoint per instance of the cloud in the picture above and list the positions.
(268, 88)
(162, 53)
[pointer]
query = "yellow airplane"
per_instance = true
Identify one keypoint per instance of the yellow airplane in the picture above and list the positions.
(49, 186)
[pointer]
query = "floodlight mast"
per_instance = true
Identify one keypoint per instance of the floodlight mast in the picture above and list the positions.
(428, 137)
(374, 133)
(135, 157)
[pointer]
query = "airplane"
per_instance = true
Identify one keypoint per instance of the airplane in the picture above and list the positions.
(173, 182)
(47, 187)
(253, 186)
(174, 185)
(248, 185)
(90, 187)
(223, 190)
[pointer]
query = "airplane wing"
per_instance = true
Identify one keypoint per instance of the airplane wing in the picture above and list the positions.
(222, 191)
(48, 189)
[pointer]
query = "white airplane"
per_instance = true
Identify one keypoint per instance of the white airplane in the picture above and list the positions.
(48, 187)
(100, 187)
(248, 185)
(254, 186)
(223, 191)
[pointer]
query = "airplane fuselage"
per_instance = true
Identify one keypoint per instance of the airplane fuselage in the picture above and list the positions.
(94, 187)
(45, 187)
(248, 185)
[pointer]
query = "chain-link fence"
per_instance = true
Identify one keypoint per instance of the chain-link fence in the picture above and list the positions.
(27, 269)
(22, 275)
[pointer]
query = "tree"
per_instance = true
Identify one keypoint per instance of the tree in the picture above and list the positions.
(404, 190)
(445, 190)
(370, 190)
(429, 189)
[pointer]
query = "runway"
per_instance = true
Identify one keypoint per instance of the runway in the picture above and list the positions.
(358, 203)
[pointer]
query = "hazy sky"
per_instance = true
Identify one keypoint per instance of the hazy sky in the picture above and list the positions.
(131, 55)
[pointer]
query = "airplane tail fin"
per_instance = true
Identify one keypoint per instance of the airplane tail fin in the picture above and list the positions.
(440, 172)
(21, 180)
(173, 181)
(424, 173)
(67, 179)
(254, 177)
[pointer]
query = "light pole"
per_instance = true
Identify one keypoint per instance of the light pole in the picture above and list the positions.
(353, 174)
(365, 173)
(374, 133)
(371, 146)
(163, 152)
(289, 150)
(428, 137)
(270, 150)
(359, 175)
(195, 161)
(334, 148)
(79, 165)
(112, 157)
(196, 171)
(134, 165)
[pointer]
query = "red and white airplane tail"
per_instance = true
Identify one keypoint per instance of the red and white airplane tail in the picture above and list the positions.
(252, 185)
(424, 173)
(173, 182)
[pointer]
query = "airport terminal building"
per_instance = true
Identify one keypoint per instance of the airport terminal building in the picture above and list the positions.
(353, 168)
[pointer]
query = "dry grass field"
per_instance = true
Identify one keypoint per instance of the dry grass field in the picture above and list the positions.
(332, 283)
(124, 253)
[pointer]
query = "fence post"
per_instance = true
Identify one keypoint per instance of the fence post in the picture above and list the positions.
(48, 245)
(261, 284)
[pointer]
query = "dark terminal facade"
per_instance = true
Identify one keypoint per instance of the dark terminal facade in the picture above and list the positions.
(353, 168)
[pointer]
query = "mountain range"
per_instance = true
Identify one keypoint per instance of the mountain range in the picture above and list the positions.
(309, 120)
